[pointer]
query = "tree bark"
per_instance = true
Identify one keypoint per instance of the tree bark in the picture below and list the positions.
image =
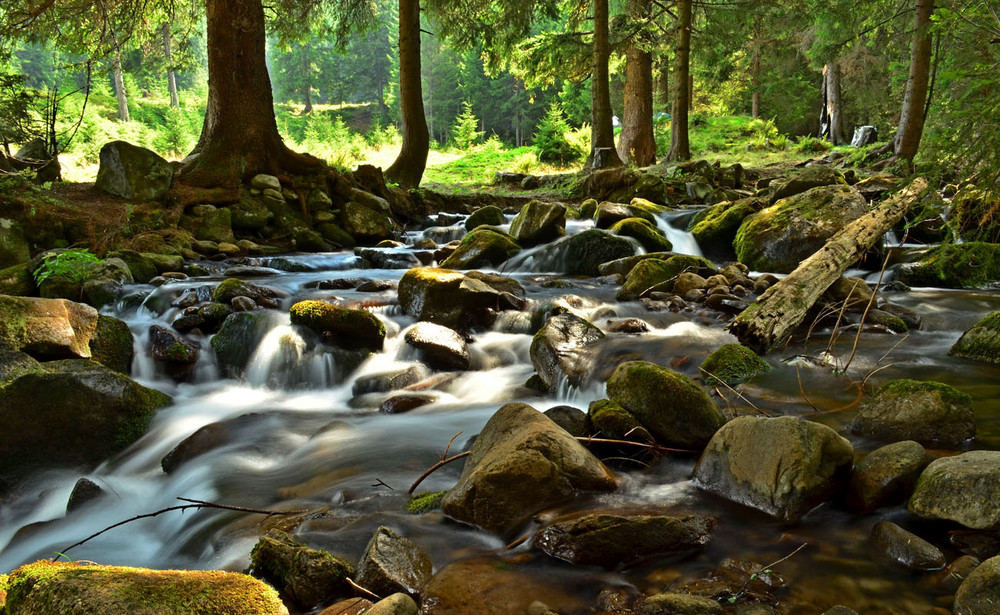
(239, 137)
(663, 85)
(307, 86)
(636, 143)
(831, 117)
(755, 81)
(680, 149)
(770, 320)
(171, 73)
(602, 135)
(911, 121)
(409, 165)
(119, 81)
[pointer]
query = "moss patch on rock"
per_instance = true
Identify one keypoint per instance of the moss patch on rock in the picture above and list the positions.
(981, 342)
(731, 364)
(966, 265)
(645, 232)
(425, 502)
(344, 327)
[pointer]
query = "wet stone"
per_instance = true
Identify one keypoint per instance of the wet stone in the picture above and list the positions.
(679, 604)
(886, 476)
(439, 347)
(84, 492)
(573, 420)
(906, 548)
(393, 564)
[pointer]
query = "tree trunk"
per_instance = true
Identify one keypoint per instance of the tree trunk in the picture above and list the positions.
(116, 71)
(783, 307)
(171, 73)
(663, 85)
(679, 146)
(911, 121)
(602, 134)
(239, 137)
(409, 165)
(636, 143)
(831, 118)
(307, 86)
(755, 81)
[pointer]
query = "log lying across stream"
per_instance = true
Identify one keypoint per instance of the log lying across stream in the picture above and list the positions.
(770, 320)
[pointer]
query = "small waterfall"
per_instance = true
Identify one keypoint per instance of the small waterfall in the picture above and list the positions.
(683, 241)
(285, 359)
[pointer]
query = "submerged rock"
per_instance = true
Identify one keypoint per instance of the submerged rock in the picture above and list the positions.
(964, 489)
(905, 548)
(79, 589)
(612, 537)
(521, 463)
(564, 349)
(783, 466)
(886, 476)
(981, 342)
(393, 564)
(307, 577)
(928, 412)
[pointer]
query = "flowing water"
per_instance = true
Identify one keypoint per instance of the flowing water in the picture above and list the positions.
(300, 439)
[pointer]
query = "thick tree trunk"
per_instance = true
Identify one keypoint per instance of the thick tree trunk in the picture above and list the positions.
(911, 121)
(663, 99)
(239, 138)
(831, 116)
(171, 73)
(119, 81)
(679, 146)
(636, 143)
(602, 134)
(755, 81)
(409, 165)
(783, 307)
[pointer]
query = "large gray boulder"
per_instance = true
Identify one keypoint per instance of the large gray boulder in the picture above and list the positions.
(927, 412)
(563, 350)
(783, 466)
(521, 463)
(133, 172)
(454, 299)
(539, 222)
(964, 489)
(484, 246)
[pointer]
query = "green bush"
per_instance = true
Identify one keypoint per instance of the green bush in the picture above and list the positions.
(71, 264)
(550, 140)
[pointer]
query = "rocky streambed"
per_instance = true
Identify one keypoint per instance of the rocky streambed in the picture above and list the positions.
(624, 454)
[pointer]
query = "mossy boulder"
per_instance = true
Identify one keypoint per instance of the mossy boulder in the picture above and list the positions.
(539, 222)
(928, 412)
(671, 406)
(624, 266)
(731, 364)
(113, 344)
(344, 327)
(715, 227)
(230, 288)
(981, 342)
(238, 338)
(670, 603)
(484, 246)
(304, 576)
(964, 489)
(588, 208)
(455, 299)
(14, 248)
(17, 280)
(812, 176)
(783, 466)
(608, 214)
(521, 463)
(966, 265)
(610, 420)
(979, 593)
(79, 589)
(47, 328)
(142, 267)
(211, 224)
(82, 413)
(563, 351)
(649, 237)
(249, 213)
(585, 252)
(14, 364)
(366, 225)
(778, 238)
(133, 172)
(490, 215)
(655, 274)
(974, 215)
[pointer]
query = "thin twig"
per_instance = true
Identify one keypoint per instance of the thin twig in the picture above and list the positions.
(802, 390)
(880, 359)
(861, 325)
(753, 576)
(448, 448)
(840, 316)
(364, 591)
(433, 468)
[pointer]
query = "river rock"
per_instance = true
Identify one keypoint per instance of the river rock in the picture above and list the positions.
(539, 222)
(82, 413)
(905, 548)
(263, 181)
(454, 299)
(213, 436)
(964, 489)
(393, 564)
(573, 420)
(731, 364)
(206, 317)
(84, 492)
(366, 225)
(351, 606)
(490, 215)
(981, 342)
(304, 576)
(886, 476)
(928, 412)
(812, 176)
(132, 172)
(585, 252)
(643, 231)
(47, 328)
(396, 604)
(675, 410)
(79, 589)
(344, 327)
(783, 466)
(608, 214)
(653, 273)
(482, 247)
(679, 604)
(231, 288)
(520, 463)
(170, 348)
(778, 238)
(715, 227)
(440, 347)
(979, 594)
(564, 349)
(610, 420)
(615, 537)
(973, 264)
(391, 380)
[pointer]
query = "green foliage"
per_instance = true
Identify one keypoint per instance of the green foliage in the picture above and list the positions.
(71, 264)
(551, 140)
(464, 133)
(811, 145)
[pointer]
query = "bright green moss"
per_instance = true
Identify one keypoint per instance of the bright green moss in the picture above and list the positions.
(731, 364)
(425, 502)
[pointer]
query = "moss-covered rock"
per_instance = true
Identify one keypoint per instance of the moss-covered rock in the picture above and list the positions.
(778, 238)
(608, 214)
(675, 410)
(966, 265)
(368, 226)
(654, 274)
(812, 176)
(974, 214)
(588, 208)
(425, 502)
(250, 213)
(78, 589)
(304, 576)
(928, 412)
(133, 172)
(113, 344)
(143, 268)
(230, 288)
(649, 237)
(238, 338)
(490, 215)
(610, 420)
(17, 280)
(484, 246)
(624, 266)
(539, 222)
(454, 299)
(715, 227)
(344, 327)
(981, 342)
(212, 224)
(14, 248)
(731, 364)
(82, 413)
(964, 489)
(586, 251)
(47, 328)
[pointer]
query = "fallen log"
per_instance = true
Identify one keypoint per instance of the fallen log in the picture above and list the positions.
(770, 320)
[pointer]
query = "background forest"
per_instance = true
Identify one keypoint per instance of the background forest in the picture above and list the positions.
(758, 75)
